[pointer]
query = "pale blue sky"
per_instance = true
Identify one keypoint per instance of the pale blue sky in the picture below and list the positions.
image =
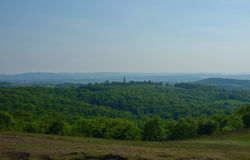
(124, 36)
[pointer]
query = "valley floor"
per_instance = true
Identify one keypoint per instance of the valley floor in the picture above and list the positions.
(230, 146)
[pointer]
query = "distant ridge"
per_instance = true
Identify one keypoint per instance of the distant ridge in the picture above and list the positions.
(232, 84)
(91, 77)
(39, 78)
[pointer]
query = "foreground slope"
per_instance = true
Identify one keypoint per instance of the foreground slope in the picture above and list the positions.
(229, 146)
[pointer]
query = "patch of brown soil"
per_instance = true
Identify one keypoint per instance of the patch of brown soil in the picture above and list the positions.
(106, 157)
(196, 158)
(17, 155)
(22, 140)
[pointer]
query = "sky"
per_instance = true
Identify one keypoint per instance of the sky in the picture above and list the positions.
(170, 36)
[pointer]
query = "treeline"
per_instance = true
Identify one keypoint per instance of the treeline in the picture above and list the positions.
(130, 83)
(154, 129)
(136, 102)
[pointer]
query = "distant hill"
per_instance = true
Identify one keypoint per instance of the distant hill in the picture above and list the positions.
(4, 84)
(43, 78)
(57, 78)
(232, 84)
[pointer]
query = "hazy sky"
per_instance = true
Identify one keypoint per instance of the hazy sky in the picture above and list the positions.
(124, 36)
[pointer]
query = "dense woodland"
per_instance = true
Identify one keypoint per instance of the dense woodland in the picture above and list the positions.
(134, 110)
(231, 84)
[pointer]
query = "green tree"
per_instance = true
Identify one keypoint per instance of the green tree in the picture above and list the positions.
(109, 128)
(84, 127)
(234, 122)
(221, 122)
(206, 125)
(246, 120)
(185, 128)
(154, 130)
(6, 120)
(33, 127)
(244, 112)
(170, 126)
(59, 127)
(122, 129)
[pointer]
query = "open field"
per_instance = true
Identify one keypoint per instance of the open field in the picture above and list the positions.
(231, 146)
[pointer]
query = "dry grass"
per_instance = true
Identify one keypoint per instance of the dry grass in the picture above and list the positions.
(231, 146)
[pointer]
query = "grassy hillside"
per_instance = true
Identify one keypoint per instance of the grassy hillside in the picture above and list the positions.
(232, 84)
(230, 146)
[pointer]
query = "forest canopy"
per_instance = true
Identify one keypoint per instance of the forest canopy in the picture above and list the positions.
(134, 110)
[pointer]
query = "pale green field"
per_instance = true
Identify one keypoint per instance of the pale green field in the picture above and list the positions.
(231, 146)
